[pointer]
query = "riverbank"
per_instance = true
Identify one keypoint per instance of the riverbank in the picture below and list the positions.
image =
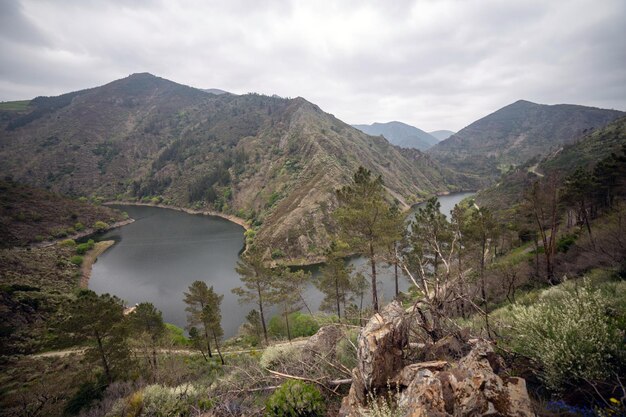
(90, 258)
(80, 235)
(232, 218)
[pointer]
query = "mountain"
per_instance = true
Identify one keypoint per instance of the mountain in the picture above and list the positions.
(441, 134)
(30, 215)
(585, 153)
(512, 135)
(275, 162)
(400, 134)
(215, 91)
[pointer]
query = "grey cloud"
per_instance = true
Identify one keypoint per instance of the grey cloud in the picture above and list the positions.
(434, 64)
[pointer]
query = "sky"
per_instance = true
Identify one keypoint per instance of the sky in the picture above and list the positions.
(433, 64)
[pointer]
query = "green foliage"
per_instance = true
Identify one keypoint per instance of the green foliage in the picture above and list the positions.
(76, 260)
(565, 242)
(300, 325)
(68, 243)
(277, 254)
(99, 320)
(571, 336)
(100, 226)
(175, 335)
(162, 401)
(295, 399)
(82, 248)
(87, 393)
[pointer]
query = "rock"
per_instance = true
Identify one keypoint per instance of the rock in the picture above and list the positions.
(324, 341)
(469, 386)
(379, 352)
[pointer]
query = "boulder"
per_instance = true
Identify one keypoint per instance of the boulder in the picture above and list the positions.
(324, 341)
(469, 386)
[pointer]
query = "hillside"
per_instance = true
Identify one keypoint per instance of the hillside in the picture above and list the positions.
(585, 153)
(400, 134)
(276, 162)
(512, 135)
(29, 215)
(441, 134)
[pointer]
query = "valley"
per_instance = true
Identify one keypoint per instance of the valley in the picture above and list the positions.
(220, 227)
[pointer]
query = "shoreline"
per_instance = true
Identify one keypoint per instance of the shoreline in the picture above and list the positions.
(231, 218)
(90, 258)
(85, 233)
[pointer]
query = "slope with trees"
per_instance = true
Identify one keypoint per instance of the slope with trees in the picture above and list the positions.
(514, 134)
(275, 162)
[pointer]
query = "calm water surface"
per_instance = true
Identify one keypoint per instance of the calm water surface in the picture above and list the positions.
(157, 257)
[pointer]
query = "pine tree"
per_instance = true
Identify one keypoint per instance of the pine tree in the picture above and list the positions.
(334, 280)
(146, 319)
(364, 218)
(197, 298)
(256, 279)
(100, 320)
(212, 319)
(286, 291)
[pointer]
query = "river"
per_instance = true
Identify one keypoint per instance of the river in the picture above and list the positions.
(157, 257)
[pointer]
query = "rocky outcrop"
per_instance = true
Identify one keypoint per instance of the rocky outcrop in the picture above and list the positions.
(469, 386)
(324, 341)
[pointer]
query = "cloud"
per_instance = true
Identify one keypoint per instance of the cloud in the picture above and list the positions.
(434, 64)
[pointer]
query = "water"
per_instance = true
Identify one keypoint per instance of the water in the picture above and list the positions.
(157, 257)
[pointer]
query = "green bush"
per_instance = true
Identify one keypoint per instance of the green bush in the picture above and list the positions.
(277, 253)
(82, 248)
(160, 401)
(76, 260)
(68, 243)
(78, 226)
(571, 335)
(300, 325)
(295, 399)
(100, 226)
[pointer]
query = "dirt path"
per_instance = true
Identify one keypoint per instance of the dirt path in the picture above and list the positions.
(533, 169)
(80, 351)
(90, 258)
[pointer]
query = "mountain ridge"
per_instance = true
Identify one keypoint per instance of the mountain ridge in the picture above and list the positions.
(400, 134)
(275, 162)
(515, 133)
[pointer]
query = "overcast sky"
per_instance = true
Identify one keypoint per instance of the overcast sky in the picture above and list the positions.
(433, 64)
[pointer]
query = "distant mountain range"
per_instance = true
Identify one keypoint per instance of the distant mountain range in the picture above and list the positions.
(276, 162)
(510, 136)
(400, 134)
(441, 134)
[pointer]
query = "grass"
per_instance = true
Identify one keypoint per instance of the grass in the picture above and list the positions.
(19, 105)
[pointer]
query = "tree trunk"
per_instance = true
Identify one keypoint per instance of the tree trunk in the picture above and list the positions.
(337, 296)
(105, 363)
(287, 323)
(217, 346)
(374, 290)
(261, 312)
(208, 341)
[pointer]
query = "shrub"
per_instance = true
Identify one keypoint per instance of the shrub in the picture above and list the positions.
(68, 243)
(277, 253)
(100, 226)
(275, 355)
(76, 260)
(78, 226)
(160, 401)
(569, 333)
(300, 325)
(82, 248)
(295, 399)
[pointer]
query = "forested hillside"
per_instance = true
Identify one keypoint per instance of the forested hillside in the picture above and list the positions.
(512, 135)
(275, 162)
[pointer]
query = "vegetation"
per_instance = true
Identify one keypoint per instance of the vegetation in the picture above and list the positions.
(295, 399)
